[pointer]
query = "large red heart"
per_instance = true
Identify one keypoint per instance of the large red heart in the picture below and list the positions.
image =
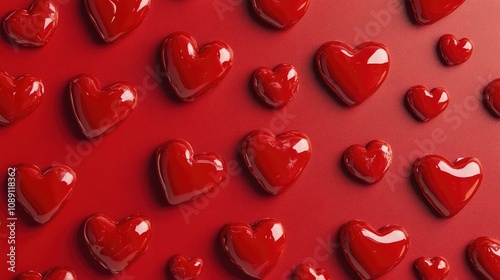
(372, 253)
(492, 96)
(455, 51)
(426, 104)
(114, 19)
(281, 14)
(184, 268)
(448, 186)
(192, 71)
(276, 161)
(19, 97)
(43, 194)
(276, 88)
(117, 245)
(430, 11)
(369, 164)
(57, 273)
(484, 253)
(353, 74)
(432, 269)
(254, 249)
(98, 110)
(307, 272)
(185, 175)
(33, 27)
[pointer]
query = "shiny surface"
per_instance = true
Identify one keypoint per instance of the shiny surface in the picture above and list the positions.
(33, 27)
(281, 14)
(448, 186)
(276, 161)
(57, 273)
(19, 97)
(184, 175)
(432, 268)
(98, 111)
(306, 271)
(455, 51)
(484, 254)
(43, 194)
(117, 245)
(372, 253)
(185, 268)
(426, 104)
(254, 249)
(353, 74)
(430, 11)
(276, 87)
(492, 97)
(369, 163)
(192, 71)
(114, 19)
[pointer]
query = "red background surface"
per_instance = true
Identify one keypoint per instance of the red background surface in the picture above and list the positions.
(117, 177)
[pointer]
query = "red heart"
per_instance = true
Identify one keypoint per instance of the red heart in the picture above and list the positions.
(307, 272)
(254, 249)
(33, 27)
(372, 253)
(276, 161)
(184, 268)
(98, 110)
(492, 96)
(425, 104)
(448, 186)
(43, 194)
(369, 164)
(192, 71)
(484, 253)
(117, 245)
(281, 14)
(432, 269)
(455, 51)
(185, 175)
(57, 273)
(430, 11)
(276, 88)
(18, 97)
(114, 19)
(353, 74)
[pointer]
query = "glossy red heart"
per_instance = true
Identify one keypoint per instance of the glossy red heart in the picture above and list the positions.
(281, 14)
(369, 164)
(43, 193)
(184, 268)
(484, 253)
(57, 273)
(307, 272)
(98, 111)
(117, 245)
(426, 104)
(448, 186)
(276, 161)
(372, 253)
(19, 97)
(432, 269)
(430, 11)
(192, 71)
(492, 97)
(254, 249)
(33, 27)
(455, 51)
(353, 74)
(114, 19)
(276, 88)
(185, 175)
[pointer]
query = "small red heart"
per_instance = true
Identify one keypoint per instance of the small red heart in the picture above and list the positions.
(425, 104)
(184, 268)
(307, 272)
(114, 19)
(430, 11)
(448, 186)
(254, 249)
(432, 269)
(19, 97)
(455, 51)
(276, 161)
(484, 253)
(372, 253)
(33, 27)
(98, 110)
(57, 273)
(185, 175)
(281, 14)
(276, 88)
(492, 96)
(43, 194)
(369, 164)
(117, 245)
(192, 71)
(353, 74)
